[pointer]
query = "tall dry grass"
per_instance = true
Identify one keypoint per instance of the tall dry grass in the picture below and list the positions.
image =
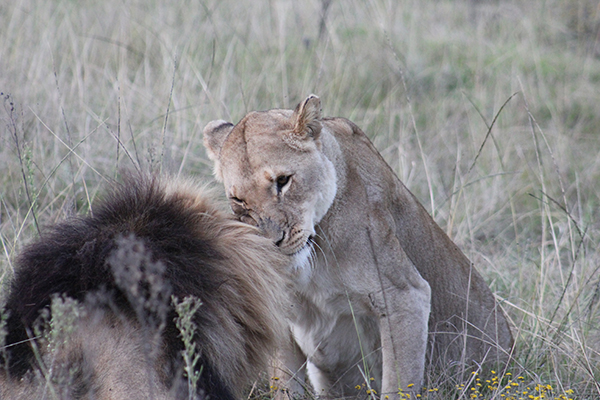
(488, 110)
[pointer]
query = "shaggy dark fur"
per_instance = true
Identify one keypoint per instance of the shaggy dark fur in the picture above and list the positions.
(73, 258)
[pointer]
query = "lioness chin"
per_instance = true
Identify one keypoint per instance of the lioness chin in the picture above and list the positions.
(379, 287)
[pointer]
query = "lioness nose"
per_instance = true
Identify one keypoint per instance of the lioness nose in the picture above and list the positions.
(272, 231)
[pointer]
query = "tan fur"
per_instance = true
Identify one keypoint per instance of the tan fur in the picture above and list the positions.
(102, 357)
(373, 268)
(109, 349)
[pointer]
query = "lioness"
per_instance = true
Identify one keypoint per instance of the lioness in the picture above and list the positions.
(374, 271)
(150, 239)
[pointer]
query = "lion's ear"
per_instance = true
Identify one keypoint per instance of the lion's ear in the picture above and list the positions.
(215, 133)
(307, 116)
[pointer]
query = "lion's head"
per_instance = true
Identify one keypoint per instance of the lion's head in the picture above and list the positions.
(274, 172)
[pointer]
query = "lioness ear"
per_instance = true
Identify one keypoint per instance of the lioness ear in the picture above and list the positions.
(215, 133)
(307, 118)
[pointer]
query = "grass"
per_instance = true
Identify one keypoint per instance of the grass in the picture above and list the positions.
(487, 110)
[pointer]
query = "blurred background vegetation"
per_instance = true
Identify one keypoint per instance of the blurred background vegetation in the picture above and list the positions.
(489, 111)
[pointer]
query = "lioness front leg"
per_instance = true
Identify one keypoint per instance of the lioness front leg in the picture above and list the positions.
(403, 304)
(403, 328)
(288, 371)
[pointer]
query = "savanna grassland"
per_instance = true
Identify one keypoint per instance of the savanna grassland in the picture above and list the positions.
(489, 111)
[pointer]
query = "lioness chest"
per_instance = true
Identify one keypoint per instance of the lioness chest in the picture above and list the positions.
(336, 328)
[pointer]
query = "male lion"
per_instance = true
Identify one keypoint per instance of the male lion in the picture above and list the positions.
(113, 274)
(374, 271)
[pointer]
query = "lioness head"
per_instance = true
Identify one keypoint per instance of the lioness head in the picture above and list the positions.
(276, 175)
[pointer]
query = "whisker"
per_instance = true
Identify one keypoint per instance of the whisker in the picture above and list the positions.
(315, 246)
(326, 240)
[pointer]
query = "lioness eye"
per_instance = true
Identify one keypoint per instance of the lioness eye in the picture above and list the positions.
(236, 200)
(282, 180)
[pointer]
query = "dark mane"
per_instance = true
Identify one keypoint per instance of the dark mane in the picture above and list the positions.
(79, 257)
